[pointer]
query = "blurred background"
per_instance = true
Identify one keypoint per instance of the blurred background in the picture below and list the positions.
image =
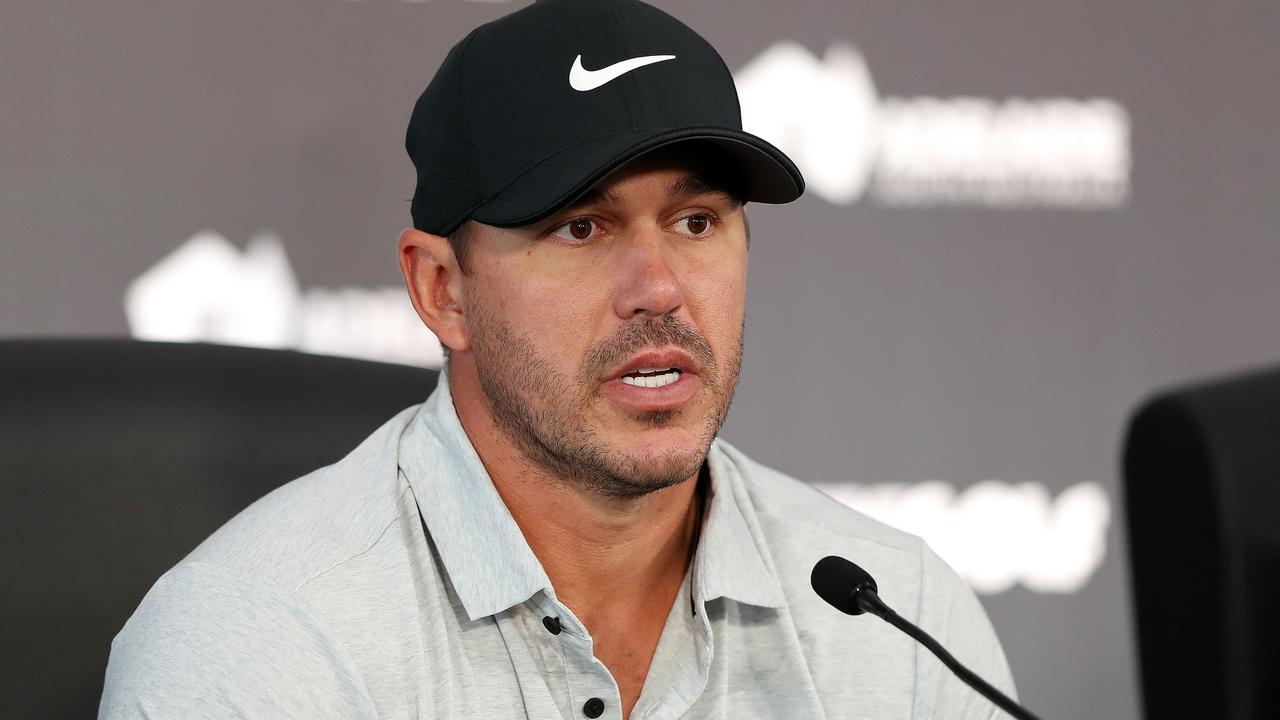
(1022, 220)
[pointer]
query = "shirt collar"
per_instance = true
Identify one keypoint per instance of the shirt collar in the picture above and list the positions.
(488, 562)
(732, 559)
(486, 557)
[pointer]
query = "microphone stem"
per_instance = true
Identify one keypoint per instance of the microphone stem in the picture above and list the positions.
(869, 601)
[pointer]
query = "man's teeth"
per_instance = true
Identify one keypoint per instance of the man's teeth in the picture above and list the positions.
(666, 377)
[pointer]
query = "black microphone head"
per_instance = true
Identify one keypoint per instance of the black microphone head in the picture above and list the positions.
(837, 580)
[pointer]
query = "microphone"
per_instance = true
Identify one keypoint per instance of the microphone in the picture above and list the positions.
(852, 591)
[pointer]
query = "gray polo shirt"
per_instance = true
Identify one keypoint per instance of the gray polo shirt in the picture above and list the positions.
(395, 584)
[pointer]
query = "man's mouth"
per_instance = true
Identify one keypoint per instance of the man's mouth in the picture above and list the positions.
(654, 368)
(653, 380)
(651, 377)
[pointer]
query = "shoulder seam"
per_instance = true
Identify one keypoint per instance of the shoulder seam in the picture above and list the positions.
(374, 543)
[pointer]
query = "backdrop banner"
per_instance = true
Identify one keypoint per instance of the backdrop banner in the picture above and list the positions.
(1022, 219)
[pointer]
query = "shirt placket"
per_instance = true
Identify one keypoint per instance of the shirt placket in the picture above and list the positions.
(681, 663)
(589, 688)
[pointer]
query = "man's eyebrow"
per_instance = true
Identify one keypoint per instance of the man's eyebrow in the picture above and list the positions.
(699, 185)
(601, 195)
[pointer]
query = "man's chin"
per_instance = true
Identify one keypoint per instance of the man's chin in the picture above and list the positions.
(667, 439)
(648, 461)
(643, 476)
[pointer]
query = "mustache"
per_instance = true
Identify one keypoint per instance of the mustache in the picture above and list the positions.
(647, 332)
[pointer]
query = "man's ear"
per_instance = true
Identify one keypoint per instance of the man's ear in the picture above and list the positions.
(434, 281)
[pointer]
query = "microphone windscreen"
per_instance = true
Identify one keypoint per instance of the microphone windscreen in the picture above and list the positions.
(835, 580)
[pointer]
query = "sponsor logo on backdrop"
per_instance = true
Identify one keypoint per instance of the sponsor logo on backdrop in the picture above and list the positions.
(1011, 152)
(997, 534)
(207, 290)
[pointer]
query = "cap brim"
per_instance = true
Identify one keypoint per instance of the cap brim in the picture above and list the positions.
(768, 175)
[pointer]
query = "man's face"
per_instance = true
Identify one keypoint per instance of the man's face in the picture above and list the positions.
(608, 339)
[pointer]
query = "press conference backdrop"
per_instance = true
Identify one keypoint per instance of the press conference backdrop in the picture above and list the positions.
(1022, 218)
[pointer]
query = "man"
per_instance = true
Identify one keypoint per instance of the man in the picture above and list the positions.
(557, 531)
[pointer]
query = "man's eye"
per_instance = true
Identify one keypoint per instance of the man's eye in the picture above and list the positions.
(575, 230)
(696, 225)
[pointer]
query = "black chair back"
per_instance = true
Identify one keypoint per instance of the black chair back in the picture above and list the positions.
(1202, 490)
(117, 458)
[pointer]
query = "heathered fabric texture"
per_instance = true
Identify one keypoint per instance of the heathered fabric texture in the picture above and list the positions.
(395, 584)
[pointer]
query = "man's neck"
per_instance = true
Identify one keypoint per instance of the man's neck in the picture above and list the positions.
(602, 554)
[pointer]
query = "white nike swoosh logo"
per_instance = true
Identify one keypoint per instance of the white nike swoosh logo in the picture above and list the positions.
(582, 79)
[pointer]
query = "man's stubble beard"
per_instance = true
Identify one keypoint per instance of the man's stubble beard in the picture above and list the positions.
(543, 411)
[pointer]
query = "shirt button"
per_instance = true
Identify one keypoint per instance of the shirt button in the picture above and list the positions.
(552, 624)
(593, 708)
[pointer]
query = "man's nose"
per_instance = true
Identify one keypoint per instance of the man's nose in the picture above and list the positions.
(647, 282)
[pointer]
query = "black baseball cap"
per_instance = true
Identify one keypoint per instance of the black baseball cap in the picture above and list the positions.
(529, 111)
